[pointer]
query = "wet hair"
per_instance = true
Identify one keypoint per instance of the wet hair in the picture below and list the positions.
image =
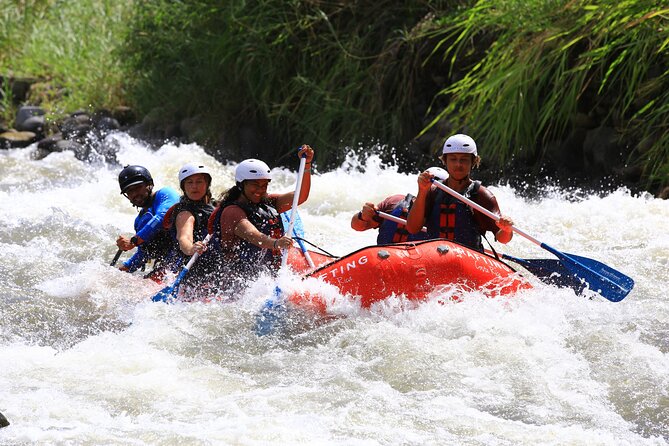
(234, 193)
(231, 194)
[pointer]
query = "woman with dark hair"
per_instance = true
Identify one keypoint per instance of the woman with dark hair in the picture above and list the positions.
(248, 233)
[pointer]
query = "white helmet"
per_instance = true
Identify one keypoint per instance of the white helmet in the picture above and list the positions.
(252, 169)
(191, 169)
(439, 173)
(460, 144)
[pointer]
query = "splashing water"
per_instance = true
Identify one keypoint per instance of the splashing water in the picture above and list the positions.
(86, 358)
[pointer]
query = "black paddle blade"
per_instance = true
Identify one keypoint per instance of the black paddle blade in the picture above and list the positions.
(550, 271)
(116, 257)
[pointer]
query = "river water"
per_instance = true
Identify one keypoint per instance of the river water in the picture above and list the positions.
(87, 358)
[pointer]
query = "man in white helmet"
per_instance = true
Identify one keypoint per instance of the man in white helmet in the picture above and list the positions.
(397, 205)
(449, 218)
(247, 228)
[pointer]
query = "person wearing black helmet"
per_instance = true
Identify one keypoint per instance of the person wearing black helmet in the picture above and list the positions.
(150, 240)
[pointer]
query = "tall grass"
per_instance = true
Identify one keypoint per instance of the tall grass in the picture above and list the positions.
(546, 60)
(325, 72)
(70, 47)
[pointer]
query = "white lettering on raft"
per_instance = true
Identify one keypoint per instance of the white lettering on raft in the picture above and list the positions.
(461, 252)
(341, 269)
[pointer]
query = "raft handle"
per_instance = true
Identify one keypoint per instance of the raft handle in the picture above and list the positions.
(383, 254)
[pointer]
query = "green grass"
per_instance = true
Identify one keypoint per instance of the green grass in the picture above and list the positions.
(70, 47)
(322, 72)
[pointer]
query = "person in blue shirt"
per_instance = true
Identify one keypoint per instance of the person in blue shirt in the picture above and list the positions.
(151, 241)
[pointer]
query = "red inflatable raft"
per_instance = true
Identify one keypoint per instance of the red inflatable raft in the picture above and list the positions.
(412, 269)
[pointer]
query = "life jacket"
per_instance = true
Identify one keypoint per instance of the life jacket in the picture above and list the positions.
(391, 232)
(201, 212)
(244, 258)
(159, 246)
(452, 219)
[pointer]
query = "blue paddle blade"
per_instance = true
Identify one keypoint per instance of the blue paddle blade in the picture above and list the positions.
(298, 228)
(163, 295)
(170, 292)
(608, 282)
(271, 316)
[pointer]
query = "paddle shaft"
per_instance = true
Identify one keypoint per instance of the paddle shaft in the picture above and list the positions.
(482, 210)
(307, 256)
(398, 220)
(197, 254)
(116, 257)
(296, 200)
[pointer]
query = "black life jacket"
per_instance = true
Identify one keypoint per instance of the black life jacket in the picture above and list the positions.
(244, 258)
(201, 212)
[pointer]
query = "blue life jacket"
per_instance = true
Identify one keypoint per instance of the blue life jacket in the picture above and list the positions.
(149, 227)
(391, 232)
(452, 219)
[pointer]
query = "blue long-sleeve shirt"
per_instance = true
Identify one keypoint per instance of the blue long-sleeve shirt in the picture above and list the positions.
(149, 223)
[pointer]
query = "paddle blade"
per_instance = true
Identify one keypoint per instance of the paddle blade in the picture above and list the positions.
(165, 294)
(116, 257)
(550, 271)
(298, 227)
(271, 316)
(608, 282)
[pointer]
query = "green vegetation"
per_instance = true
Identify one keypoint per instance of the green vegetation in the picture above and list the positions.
(326, 72)
(69, 47)
(549, 60)
(515, 74)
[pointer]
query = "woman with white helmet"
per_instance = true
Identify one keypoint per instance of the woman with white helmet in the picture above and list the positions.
(247, 224)
(448, 217)
(397, 205)
(187, 220)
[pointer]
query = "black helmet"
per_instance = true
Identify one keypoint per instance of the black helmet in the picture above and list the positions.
(131, 175)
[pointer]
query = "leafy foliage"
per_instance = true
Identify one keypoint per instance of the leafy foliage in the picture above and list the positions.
(545, 60)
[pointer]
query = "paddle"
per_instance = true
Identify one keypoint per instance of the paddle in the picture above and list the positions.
(398, 220)
(298, 232)
(271, 313)
(116, 257)
(169, 292)
(608, 282)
